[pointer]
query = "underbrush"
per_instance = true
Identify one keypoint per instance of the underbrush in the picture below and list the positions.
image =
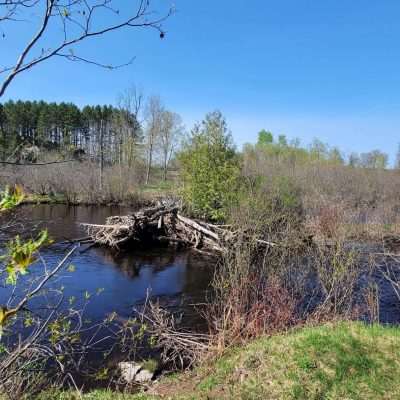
(359, 202)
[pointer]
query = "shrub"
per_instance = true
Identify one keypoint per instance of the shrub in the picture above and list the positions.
(271, 208)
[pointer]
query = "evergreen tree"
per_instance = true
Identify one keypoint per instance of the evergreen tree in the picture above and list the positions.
(210, 168)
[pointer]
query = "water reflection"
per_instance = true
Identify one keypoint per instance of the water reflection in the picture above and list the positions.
(125, 278)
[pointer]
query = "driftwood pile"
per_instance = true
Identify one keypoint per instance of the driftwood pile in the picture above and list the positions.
(160, 224)
(163, 224)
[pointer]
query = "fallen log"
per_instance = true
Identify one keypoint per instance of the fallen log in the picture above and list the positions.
(113, 226)
(198, 227)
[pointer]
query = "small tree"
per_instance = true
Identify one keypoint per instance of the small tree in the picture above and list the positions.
(282, 141)
(354, 160)
(318, 150)
(210, 168)
(170, 135)
(375, 159)
(335, 156)
(154, 113)
(265, 137)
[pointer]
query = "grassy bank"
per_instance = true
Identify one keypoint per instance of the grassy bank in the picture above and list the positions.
(334, 361)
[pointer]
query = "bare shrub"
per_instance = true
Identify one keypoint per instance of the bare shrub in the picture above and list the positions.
(389, 266)
(179, 349)
(248, 304)
(338, 269)
(253, 294)
(329, 220)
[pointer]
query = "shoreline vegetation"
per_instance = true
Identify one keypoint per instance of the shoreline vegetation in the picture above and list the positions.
(137, 196)
(331, 233)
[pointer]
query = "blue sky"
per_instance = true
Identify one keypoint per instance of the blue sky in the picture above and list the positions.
(304, 68)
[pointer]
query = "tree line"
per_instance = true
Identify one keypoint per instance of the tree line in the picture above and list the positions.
(280, 149)
(140, 131)
(133, 131)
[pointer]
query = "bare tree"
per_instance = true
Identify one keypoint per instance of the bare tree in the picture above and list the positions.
(374, 159)
(154, 114)
(131, 101)
(79, 21)
(170, 134)
(129, 124)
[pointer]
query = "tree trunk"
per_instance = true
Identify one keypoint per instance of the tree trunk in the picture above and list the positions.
(150, 159)
(101, 155)
(165, 172)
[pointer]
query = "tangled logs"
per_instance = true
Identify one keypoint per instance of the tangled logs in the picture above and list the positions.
(162, 224)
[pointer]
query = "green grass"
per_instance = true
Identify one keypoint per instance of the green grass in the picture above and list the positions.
(160, 188)
(335, 361)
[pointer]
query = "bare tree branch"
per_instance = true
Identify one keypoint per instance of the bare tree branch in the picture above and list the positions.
(72, 57)
(34, 164)
(41, 284)
(79, 21)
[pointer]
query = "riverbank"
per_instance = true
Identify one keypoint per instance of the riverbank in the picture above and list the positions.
(149, 195)
(333, 361)
(79, 184)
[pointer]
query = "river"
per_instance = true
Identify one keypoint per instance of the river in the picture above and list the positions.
(115, 281)
(121, 281)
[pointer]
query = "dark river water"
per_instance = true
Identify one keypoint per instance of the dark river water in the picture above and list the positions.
(115, 282)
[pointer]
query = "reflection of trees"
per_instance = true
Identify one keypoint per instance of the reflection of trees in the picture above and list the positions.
(200, 269)
(129, 267)
(130, 263)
